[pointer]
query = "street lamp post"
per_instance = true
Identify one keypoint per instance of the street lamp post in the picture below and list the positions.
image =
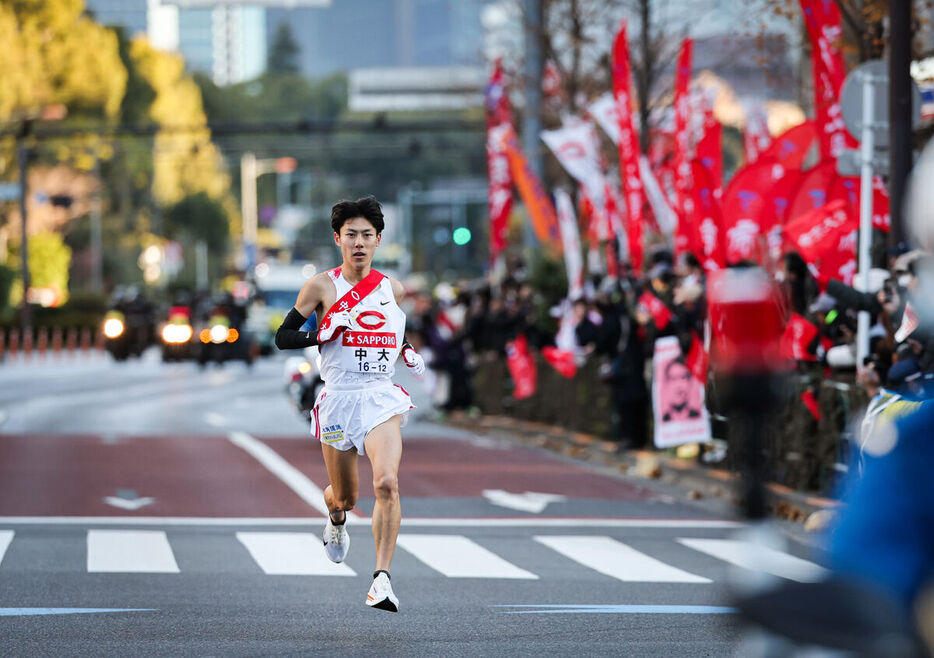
(250, 170)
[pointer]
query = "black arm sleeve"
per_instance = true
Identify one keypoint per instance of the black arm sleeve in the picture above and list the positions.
(288, 337)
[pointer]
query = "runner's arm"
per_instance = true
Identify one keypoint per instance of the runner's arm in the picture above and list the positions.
(289, 336)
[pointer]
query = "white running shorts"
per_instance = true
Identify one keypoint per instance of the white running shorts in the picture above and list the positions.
(342, 418)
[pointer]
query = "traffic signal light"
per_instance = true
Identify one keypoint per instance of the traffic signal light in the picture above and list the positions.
(461, 236)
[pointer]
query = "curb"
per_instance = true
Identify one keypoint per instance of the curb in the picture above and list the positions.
(700, 481)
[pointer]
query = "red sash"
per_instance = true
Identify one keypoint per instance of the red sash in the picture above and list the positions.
(353, 297)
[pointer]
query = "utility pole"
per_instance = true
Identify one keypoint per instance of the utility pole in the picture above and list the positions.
(22, 157)
(900, 114)
(532, 113)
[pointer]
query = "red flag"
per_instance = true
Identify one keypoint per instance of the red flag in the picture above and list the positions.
(848, 188)
(822, 18)
(698, 360)
(562, 360)
(798, 335)
(792, 146)
(499, 186)
(823, 233)
(707, 222)
(682, 161)
(628, 148)
(814, 189)
(710, 151)
(521, 367)
(655, 307)
(810, 401)
(744, 203)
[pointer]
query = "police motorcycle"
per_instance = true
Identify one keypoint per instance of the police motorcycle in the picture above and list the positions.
(302, 376)
(221, 336)
(177, 334)
(128, 326)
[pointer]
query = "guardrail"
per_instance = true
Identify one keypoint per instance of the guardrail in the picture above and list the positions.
(805, 453)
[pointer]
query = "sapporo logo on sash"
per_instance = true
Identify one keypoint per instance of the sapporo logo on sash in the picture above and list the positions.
(366, 341)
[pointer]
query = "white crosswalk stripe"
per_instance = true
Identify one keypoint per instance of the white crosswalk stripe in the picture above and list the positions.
(291, 554)
(6, 536)
(456, 556)
(617, 560)
(760, 558)
(130, 551)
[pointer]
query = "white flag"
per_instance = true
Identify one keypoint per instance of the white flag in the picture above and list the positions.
(576, 146)
(570, 239)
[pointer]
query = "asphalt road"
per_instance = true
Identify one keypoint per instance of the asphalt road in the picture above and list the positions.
(150, 509)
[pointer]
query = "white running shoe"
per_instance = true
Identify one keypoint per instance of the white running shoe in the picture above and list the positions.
(336, 540)
(380, 594)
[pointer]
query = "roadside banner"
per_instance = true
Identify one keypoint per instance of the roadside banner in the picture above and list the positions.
(682, 161)
(677, 398)
(537, 203)
(627, 140)
(499, 183)
(822, 19)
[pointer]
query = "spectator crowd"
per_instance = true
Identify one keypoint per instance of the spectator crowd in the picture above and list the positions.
(616, 321)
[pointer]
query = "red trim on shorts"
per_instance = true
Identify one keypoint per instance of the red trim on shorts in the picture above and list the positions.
(317, 425)
(403, 390)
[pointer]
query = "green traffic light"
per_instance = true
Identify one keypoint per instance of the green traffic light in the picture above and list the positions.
(461, 236)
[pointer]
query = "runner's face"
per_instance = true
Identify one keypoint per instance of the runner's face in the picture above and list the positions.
(358, 241)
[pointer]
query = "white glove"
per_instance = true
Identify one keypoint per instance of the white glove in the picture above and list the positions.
(413, 360)
(338, 322)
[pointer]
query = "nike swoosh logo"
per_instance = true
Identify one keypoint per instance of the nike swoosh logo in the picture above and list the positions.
(383, 303)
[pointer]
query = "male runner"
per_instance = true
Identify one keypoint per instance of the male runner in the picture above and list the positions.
(359, 411)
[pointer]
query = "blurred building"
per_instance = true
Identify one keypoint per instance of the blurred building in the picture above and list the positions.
(226, 41)
(131, 15)
(355, 34)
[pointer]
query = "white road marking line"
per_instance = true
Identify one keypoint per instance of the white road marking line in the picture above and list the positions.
(6, 536)
(617, 560)
(291, 554)
(291, 476)
(758, 558)
(130, 551)
(456, 556)
(417, 522)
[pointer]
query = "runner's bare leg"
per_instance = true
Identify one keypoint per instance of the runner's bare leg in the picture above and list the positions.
(341, 494)
(384, 448)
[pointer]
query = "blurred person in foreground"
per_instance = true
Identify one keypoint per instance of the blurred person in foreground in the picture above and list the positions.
(361, 334)
(879, 596)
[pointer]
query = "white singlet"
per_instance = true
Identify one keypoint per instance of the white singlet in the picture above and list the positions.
(357, 370)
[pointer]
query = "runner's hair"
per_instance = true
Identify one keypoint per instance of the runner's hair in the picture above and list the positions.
(367, 207)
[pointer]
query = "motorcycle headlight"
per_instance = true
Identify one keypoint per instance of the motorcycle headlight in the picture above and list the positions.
(218, 333)
(176, 333)
(113, 327)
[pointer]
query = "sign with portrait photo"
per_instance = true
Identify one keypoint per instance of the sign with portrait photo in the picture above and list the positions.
(677, 398)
